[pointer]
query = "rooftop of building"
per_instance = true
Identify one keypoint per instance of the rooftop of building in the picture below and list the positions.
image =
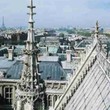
(49, 68)
(10, 69)
(54, 67)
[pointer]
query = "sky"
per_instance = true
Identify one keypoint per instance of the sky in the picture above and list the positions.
(56, 13)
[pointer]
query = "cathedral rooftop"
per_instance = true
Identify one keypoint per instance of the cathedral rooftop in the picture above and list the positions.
(49, 68)
(11, 69)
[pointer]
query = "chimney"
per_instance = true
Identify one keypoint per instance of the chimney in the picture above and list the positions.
(10, 53)
(1, 75)
(68, 55)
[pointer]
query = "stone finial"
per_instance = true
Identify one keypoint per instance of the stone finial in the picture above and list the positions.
(97, 28)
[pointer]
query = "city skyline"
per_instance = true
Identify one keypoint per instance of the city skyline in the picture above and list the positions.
(57, 13)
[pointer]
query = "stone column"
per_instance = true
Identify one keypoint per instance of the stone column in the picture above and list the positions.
(43, 104)
(28, 106)
(47, 101)
(19, 105)
(13, 98)
(52, 101)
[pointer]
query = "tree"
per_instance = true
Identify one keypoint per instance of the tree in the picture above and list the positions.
(61, 35)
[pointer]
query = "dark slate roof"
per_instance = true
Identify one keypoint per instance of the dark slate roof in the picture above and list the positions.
(11, 69)
(3, 51)
(5, 63)
(51, 71)
(15, 71)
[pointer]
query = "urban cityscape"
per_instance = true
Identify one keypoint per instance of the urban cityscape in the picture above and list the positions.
(58, 65)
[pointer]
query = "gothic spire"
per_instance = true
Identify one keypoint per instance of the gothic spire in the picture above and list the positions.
(31, 23)
(31, 52)
(30, 90)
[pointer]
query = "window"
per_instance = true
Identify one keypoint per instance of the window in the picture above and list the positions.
(49, 100)
(55, 99)
(56, 85)
(38, 105)
(8, 95)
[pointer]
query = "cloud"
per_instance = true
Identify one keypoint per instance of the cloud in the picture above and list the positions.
(99, 4)
(57, 13)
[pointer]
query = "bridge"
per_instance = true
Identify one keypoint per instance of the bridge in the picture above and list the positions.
(89, 89)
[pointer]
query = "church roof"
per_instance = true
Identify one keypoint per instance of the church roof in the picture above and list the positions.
(11, 69)
(51, 71)
(49, 68)
(15, 71)
(5, 63)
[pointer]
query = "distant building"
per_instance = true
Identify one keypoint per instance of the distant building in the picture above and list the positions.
(3, 28)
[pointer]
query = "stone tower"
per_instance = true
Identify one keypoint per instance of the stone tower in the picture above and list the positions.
(3, 24)
(30, 90)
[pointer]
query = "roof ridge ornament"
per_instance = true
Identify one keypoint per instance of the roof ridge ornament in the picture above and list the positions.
(96, 39)
(97, 29)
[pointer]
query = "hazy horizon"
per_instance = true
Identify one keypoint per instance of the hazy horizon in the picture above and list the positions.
(56, 13)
